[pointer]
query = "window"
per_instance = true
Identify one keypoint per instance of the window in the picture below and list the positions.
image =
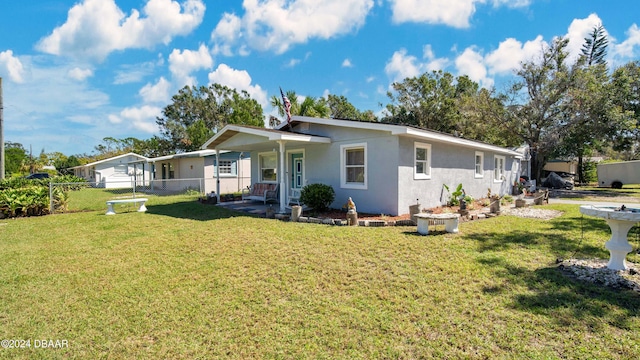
(422, 161)
(353, 163)
(498, 168)
(479, 161)
(227, 167)
(268, 167)
(120, 169)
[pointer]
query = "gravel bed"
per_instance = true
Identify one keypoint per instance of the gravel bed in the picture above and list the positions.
(596, 271)
(533, 213)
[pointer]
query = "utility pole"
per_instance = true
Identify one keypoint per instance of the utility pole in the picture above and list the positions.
(1, 134)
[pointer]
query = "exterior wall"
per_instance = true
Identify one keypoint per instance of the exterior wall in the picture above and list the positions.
(391, 187)
(322, 165)
(106, 176)
(228, 183)
(450, 165)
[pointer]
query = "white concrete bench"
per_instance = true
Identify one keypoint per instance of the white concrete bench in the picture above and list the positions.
(140, 201)
(450, 222)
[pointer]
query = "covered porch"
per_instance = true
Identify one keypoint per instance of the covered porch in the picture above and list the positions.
(280, 156)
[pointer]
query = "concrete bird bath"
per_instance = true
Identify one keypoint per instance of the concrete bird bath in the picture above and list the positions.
(620, 220)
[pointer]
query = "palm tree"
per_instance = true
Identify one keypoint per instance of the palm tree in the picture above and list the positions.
(309, 106)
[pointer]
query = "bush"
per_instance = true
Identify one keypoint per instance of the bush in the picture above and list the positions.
(30, 197)
(317, 196)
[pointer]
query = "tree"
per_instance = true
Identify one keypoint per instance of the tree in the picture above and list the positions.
(15, 158)
(477, 111)
(594, 48)
(307, 106)
(535, 104)
(441, 102)
(428, 101)
(341, 108)
(196, 113)
(590, 116)
(626, 97)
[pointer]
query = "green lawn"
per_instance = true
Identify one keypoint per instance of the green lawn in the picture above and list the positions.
(186, 280)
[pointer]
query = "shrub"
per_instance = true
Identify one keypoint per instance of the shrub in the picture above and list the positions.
(317, 196)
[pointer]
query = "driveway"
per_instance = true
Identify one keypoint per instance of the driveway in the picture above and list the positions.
(593, 197)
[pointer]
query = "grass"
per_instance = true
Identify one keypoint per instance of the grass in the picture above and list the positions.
(185, 280)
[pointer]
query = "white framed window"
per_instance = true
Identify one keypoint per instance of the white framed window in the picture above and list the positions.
(421, 161)
(479, 171)
(498, 168)
(353, 166)
(268, 167)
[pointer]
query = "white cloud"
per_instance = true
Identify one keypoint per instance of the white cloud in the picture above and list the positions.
(629, 49)
(133, 73)
(140, 118)
(434, 63)
(182, 64)
(276, 25)
(577, 32)
(347, 63)
(402, 66)
(471, 63)
(156, 93)
(114, 119)
(292, 63)
(239, 80)
(227, 30)
(11, 65)
(511, 3)
(95, 28)
(80, 74)
(511, 53)
(454, 13)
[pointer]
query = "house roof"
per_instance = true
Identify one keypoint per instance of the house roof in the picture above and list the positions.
(257, 138)
(403, 130)
(111, 159)
(191, 154)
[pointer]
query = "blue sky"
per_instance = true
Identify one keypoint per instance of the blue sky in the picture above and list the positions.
(76, 71)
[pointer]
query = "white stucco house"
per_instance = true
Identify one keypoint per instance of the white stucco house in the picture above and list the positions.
(384, 168)
(197, 169)
(116, 172)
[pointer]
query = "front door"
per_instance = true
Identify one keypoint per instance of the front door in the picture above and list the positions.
(297, 175)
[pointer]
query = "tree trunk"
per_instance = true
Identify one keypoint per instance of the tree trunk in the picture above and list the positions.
(580, 169)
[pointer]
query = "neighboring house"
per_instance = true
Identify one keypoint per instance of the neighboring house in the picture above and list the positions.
(116, 172)
(384, 168)
(197, 169)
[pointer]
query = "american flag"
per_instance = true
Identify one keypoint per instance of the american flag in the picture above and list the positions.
(287, 106)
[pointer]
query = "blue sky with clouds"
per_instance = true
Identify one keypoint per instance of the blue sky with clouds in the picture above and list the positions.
(76, 71)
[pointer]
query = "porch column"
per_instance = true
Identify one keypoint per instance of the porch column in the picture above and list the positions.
(218, 175)
(281, 176)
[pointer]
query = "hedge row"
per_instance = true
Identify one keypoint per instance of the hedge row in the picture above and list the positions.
(24, 197)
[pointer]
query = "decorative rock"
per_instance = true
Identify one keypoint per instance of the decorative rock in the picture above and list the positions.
(405, 223)
(376, 223)
(283, 217)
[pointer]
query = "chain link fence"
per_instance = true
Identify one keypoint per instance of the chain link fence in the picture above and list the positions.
(86, 196)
